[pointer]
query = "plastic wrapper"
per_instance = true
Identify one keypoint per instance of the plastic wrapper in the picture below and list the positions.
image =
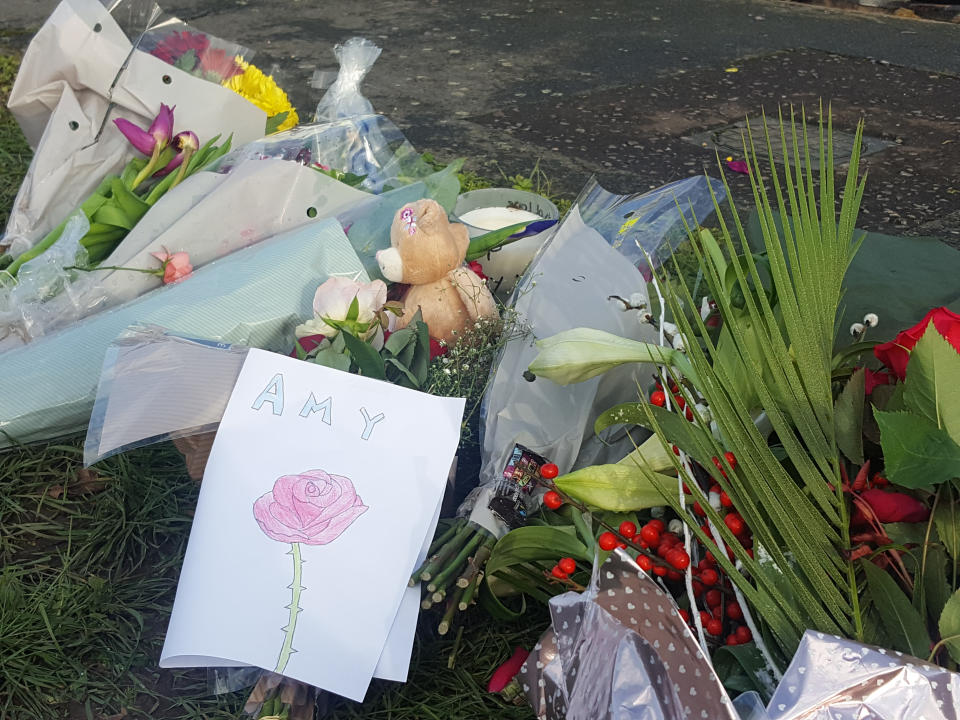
(27, 308)
(651, 223)
(134, 406)
(344, 99)
(621, 651)
(367, 146)
(567, 285)
(81, 71)
(254, 297)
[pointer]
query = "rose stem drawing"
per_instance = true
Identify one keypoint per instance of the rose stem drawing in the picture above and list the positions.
(312, 508)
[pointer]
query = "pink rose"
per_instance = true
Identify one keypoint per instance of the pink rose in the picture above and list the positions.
(175, 267)
(313, 508)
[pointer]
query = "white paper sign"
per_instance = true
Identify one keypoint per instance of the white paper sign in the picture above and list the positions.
(317, 499)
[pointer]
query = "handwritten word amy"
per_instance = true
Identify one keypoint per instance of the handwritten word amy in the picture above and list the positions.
(273, 394)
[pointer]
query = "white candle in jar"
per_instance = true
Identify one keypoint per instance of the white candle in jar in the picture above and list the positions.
(494, 218)
(505, 264)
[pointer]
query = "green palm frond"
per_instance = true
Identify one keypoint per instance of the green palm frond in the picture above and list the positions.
(801, 577)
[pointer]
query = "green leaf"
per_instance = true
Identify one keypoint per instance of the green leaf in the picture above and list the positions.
(949, 626)
(946, 518)
(617, 487)
(353, 312)
(530, 543)
(187, 62)
(936, 590)
(132, 206)
(906, 533)
(333, 359)
(399, 340)
(685, 435)
(405, 378)
(275, 121)
(576, 355)
(848, 418)
(495, 607)
(932, 385)
(916, 452)
(741, 668)
(367, 359)
(901, 621)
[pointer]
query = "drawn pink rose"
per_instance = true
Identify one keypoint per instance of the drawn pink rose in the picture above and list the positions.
(313, 508)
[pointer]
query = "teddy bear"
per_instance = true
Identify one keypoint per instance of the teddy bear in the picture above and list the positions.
(427, 253)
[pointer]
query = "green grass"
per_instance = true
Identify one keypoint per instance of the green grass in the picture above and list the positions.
(14, 151)
(90, 565)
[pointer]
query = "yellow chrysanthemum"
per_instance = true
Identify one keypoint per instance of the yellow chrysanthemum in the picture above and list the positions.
(263, 91)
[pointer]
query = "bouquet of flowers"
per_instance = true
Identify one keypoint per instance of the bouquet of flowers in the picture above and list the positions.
(788, 484)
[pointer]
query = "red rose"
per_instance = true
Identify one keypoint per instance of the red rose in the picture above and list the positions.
(892, 507)
(873, 378)
(896, 353)
(477, 269)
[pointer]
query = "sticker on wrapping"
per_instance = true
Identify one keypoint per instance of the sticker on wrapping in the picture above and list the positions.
(513, 494)
(409, 220)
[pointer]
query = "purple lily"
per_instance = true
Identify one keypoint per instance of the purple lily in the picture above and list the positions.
(155, 138)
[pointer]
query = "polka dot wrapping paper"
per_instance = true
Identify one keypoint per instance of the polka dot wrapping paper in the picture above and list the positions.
(620, 651)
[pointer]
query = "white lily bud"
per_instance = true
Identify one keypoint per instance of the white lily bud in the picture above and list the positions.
(675, 526)
(657, 511)
(857, 329)
(705, 308)
(669, 328)
(678, 344)
(871, 320)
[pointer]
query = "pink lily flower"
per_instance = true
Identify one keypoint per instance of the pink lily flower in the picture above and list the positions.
(154, 139)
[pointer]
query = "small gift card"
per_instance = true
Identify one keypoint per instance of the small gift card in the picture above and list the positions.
(318, 496)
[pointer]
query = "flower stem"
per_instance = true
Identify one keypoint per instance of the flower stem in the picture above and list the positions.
(294, 606)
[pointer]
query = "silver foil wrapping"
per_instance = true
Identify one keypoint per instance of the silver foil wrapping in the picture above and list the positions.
(620, 651)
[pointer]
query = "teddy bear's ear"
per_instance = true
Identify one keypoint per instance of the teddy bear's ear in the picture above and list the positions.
(405, 223)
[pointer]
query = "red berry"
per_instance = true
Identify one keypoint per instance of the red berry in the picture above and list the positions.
(732, 640)
(650, 534)
(689, 414)
(698, 509)
(549, 471)
(684, 615)
(552, 499)
(705, 617)
(658, 398)
(714, 626)
(568, 565)
(558, 573)
(743, 634)
(658, 524)
(643, 545)
(734, 612)
(607, 541)
(628, 529)
(676, 450)
(713, 598)
(716, 462)
(697, 588)
(709, 558)
(717, 612)
(725, 499)
(671, 538)
(709, 577)
(622, 545)
(645, 563)
(730, 458)
(680, 402)
(686, 490)
(674, 575)
(663, 549)
(750, 553)
(735, 523)
(659, 570)
(678, 558)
